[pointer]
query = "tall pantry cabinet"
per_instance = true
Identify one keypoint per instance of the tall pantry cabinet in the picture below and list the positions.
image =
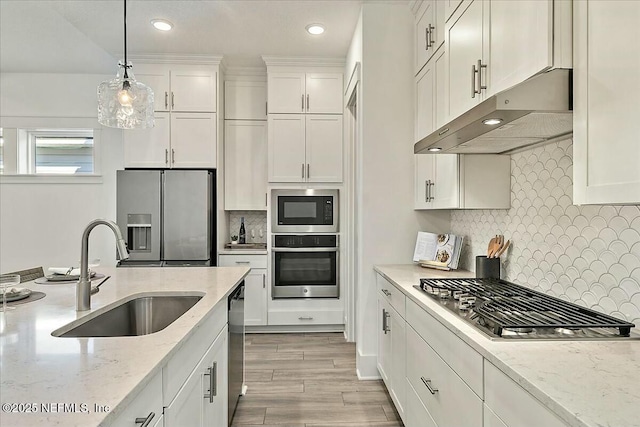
(305, 133)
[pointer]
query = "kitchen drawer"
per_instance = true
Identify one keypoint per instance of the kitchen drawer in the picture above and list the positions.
(463, 359)
(306, 317)
(147, 401)
(251, 261)
(179, 367)
(450, 401)
(415, 414)
(520, 407)
(392, 294)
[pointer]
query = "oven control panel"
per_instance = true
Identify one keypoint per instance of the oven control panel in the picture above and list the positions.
(305, 241)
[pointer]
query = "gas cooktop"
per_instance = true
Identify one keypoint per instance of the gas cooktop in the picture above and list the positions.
(504, 310)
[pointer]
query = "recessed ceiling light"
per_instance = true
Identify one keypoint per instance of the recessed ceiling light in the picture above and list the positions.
(492, 122)
(161, 24)
(434, 149)
(315, 29)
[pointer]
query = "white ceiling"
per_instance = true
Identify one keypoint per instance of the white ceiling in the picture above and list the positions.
(87, 36)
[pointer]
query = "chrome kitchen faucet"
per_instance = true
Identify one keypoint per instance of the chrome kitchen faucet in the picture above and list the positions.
(83, 288)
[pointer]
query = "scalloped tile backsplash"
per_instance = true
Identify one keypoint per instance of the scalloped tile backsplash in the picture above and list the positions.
(589, 255)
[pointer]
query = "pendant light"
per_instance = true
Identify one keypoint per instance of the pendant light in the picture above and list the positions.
(123, 102)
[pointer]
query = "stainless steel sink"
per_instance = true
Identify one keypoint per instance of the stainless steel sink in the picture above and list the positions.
(139, 316)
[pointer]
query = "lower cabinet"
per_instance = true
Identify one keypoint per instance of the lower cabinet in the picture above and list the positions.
(391, 353)
(202, 400)
(255, 286)
(147, 405)
(415, 414)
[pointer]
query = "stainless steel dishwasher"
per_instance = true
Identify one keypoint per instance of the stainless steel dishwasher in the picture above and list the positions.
(236, 347)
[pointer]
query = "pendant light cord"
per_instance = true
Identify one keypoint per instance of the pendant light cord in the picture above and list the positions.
(126, 64)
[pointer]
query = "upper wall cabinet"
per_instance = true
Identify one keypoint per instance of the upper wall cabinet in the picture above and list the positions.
(492, 45)
(313, 93)
(428, 31)
(180, 87)
(245, 100)
(606, 93)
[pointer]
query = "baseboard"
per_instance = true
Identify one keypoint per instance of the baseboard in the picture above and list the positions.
(366, 366)
(280, 329)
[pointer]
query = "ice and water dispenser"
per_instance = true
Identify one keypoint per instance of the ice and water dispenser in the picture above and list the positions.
(139, 232)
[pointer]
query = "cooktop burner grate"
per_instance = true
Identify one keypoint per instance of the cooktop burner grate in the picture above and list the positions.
(501, 305)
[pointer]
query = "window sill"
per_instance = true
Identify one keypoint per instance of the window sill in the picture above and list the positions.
(50, 179)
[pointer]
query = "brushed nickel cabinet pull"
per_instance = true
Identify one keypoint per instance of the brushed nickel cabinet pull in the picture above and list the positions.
(480, 67)
(166, 99)
(266, 108)
(243, 262)
(166, 156)
(386, 292)
(431, 184)
(426, 38)
(173, 156)
(213, 382)
(426, 191)
(172, 99)
(264, 281)
(385, 321)
(303, 171)
(308, 174)
(305, 318)
(431, 42)
(473, 81)
(427, 383)
(145, 421)
(307, 102)
(302, 101)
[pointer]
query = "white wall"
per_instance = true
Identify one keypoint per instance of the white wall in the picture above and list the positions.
(387, 222)
(41, 223)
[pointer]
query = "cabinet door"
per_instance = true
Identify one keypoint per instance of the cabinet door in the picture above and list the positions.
(437, 33)
(450, 6)
(397, 366)
(425, 102)
(245, 100)
(255, 298)
(193, 140)
(286, 148)
(193, 89)
(514, 25)
(445, 188)
(464, 49)
(245, 165)
(202, 400)
(606, 125)
(148, 148)
(148, 403)
(324, 93)
(323, 148)
(423, 25)
(286, 93)
(424, 174)
(156, 76)
(384, 341)
(415, 414)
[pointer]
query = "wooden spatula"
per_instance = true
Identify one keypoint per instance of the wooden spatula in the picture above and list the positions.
(503, 249)
(496, 246)
(492, 242)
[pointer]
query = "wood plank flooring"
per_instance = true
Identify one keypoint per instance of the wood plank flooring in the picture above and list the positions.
(309, 380)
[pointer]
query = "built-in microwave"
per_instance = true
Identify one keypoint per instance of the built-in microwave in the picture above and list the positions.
(304, 211)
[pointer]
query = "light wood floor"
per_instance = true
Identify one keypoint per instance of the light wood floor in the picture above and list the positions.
(309, 380)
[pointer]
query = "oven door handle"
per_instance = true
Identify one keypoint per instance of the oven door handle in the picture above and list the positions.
(304, 249)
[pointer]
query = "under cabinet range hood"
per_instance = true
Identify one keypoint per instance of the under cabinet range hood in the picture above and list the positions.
(537, 110)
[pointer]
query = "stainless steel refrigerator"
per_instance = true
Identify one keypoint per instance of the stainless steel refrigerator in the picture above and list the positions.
(167, 217)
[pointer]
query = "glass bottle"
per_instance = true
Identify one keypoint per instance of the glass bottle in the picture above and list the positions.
(242, 235)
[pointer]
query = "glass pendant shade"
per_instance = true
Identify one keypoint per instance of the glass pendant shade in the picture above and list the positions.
(125, 103)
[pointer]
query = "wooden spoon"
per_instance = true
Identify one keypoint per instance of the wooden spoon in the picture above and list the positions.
(503, 249)
(497, 246)
(492, 242)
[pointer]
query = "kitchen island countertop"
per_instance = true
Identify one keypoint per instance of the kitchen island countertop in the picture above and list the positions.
(39, 369)
(585, 383)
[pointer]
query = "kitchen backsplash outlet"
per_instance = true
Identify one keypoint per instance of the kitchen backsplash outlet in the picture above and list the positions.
(589, 255)
(253, 221)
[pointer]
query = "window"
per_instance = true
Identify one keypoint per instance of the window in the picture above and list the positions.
(59, 152)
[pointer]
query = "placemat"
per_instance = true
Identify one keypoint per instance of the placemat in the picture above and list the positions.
(35, 295)
(45, 281)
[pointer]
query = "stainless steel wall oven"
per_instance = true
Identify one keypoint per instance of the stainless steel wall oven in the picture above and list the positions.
(305, 266)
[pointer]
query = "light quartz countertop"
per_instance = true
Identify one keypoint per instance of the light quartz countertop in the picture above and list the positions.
(38, 368)
(585, 383)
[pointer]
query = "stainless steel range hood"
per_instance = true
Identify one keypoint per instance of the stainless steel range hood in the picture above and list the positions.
(537, 110)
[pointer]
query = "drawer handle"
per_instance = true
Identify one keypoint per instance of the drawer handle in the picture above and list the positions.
(213, 380)
(243, 262)
(386, 292)
(385, 321)
(427, 383)
(305, 318)
(145, 421)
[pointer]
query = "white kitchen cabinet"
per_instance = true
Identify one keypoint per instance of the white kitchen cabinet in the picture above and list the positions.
(305, 148)
(438, 387)
(312, 93)
(428, 30)
(202, 400)
(516, 411)
(391, 352)
(425, 108)
(606, 93)
(147, 404)
(255, 286)
(493, 45)
(415, 414)
(178, 140)
(180, 87)
(245, 100)
(245, 161)
(462, 181)
(450, 6)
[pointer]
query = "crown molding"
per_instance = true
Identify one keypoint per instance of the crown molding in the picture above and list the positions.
(173, 58)
(246, 71)
(303, 61)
